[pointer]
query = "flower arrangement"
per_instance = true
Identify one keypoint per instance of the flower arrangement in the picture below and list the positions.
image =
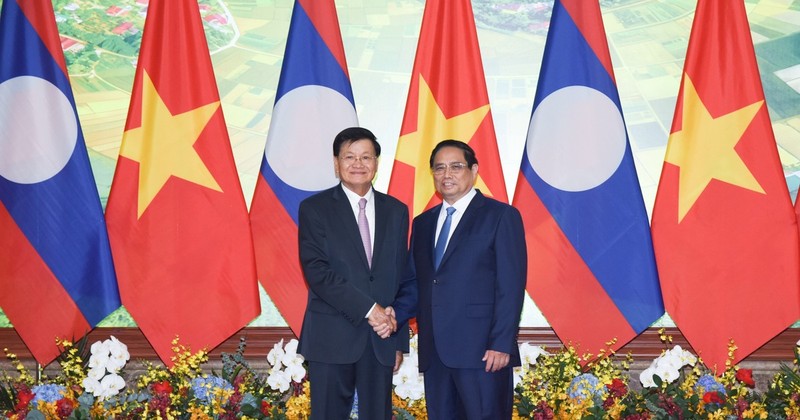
(408, 398)
(549, 385)
(91, 385)
(674, 386)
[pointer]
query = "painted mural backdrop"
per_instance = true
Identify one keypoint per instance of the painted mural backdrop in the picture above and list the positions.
(647, 41)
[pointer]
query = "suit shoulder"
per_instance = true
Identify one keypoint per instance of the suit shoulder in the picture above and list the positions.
(392, 201)
(501, 209)
(321, 198)
(431, 212)
(495, 204)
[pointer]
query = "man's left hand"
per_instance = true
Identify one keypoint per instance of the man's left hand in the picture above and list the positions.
(495, 360)
(398, 360)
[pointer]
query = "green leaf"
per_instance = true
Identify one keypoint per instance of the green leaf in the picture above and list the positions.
(35, 415)
(657, 380)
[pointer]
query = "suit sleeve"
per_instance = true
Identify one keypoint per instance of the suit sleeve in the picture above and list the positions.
(406, 296)
(322, 279)
(512, 266)
(405, 303)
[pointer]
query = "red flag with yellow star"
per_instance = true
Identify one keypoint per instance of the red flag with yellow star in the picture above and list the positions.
(447, 99)
(724, 231)
(177, 219)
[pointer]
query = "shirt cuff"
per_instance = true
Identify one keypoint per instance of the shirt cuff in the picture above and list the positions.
(370, 310)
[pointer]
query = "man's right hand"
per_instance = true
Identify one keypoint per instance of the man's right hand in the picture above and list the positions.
(382, 320)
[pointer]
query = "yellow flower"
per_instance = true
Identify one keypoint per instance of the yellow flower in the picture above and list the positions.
(756, 411)
(197, 413)
(299, 407)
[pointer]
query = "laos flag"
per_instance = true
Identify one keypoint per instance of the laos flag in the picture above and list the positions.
(313, 103)
(56, 274)
(591, 269)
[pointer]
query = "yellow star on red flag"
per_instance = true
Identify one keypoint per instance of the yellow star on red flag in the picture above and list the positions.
(704, 148)
(432, 127)
(164, 145)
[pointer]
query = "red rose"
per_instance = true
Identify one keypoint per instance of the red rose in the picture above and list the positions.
(266, 408)
(163, 387)
(745, 376)
(713, 398)
(24, 397)
(64, 407)
(617, 388)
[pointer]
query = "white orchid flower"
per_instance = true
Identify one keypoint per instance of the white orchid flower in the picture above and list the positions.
(118, 349)
(96, 373)
(291, 347)
(405, 374)
(91, 385)
(290, 356)
(516, 374)
(296, 371)
(98, 360)
(276, 355)
(410, 387)
(529, 354)
(278, 380)
(667, 372)
(118, 355)
(646, 378)
(100, 347)
(111, 385)
(680, 356)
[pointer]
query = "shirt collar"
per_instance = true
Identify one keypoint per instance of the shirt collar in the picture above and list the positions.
(353, 197)
(462, 203)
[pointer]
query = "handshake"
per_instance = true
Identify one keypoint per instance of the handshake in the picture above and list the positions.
(382, 320)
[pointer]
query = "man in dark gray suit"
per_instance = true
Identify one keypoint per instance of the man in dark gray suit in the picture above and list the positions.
(353, 250)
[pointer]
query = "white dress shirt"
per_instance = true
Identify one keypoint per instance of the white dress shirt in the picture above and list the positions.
(461, 206)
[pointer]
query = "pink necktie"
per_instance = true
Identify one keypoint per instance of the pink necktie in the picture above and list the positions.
(363, 229)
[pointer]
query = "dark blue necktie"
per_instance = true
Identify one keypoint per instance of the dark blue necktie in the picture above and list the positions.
(441, 243)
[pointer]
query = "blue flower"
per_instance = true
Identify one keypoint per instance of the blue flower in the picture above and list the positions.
(354, 410)
(585, 386)
(48, 393)
(206, 388)
(707, 383)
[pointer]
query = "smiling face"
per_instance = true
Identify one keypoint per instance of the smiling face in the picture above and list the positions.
(453, 183)
(356, 165)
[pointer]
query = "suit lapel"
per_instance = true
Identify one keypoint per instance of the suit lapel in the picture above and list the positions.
(381, 210)
(425, 234)
(349, 225)
(470, 217)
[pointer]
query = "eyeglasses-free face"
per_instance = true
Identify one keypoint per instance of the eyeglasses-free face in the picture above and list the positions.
(356, 165)
(451, 176)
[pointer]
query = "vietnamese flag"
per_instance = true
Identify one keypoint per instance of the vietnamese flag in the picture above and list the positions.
(177, 219)
(447, 99)
(724, 230)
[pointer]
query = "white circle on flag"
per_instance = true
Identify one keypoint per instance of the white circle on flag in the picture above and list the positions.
(300, 138)
(576, 138)
(39, 130)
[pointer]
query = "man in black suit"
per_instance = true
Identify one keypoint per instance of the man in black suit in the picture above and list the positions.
(468, 269)
(353, 250)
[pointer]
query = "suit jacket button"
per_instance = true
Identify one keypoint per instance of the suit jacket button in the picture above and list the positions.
(435, 281)
(371, 278)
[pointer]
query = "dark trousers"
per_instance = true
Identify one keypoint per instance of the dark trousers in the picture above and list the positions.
(472, 394)
(333, 385)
